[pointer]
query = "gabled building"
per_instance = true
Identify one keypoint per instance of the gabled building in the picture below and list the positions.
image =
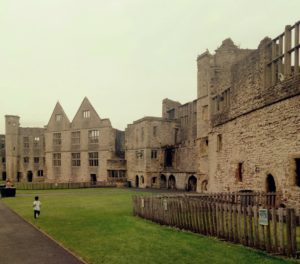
(88, 149)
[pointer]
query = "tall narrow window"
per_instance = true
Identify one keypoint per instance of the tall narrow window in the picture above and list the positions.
(219, 142)
(239, 172)
(56, 139)
(56, 158)
(93, 159)
(26, 159)
(75, 138)
(93, 136)
(36, 142)
(75, 159)
(36, 160)
(86, 114)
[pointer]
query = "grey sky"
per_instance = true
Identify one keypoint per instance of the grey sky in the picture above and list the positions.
(125, 56)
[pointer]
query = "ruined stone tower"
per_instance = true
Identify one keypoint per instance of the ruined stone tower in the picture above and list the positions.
(12, 132)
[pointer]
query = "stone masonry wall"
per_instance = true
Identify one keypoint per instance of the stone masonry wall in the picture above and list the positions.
(266, 142)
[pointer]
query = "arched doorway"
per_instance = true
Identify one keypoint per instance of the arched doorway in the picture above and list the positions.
(163, 181)
(137, 181)
(192, 184)
(172, 182)
(271, 185)
(29, 176)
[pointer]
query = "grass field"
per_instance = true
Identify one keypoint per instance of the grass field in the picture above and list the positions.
(97, 224)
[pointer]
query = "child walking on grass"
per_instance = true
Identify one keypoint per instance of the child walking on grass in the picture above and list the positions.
(36, 207)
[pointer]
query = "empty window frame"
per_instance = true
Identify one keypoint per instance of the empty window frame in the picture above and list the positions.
(239, 172)
(75, 138)
(36, 142)
(40, 173)
(56, 139)
(26, 142)
(93, 136)
(86, 114)
(36, 160)
(26, 159)
(58, 117)
(153, 154)
(56, 159)
(93, 159)
(75, 159)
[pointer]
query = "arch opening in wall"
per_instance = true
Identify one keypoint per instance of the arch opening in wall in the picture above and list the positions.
(29, 176)
(172, 182)
(137, 181)
(192, 184)
(163, 181)
(271, 185)
(204, 186)
(142, 179)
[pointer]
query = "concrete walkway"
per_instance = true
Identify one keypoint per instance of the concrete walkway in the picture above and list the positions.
(21, 243)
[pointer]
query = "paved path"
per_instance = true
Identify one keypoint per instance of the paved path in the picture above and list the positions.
(21, 243)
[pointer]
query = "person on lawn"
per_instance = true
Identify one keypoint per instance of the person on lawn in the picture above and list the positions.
(36, 207)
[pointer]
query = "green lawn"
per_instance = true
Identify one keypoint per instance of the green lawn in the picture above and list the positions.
(97, 224)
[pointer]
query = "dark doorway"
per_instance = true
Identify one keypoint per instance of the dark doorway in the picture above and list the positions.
(19, 176)
(137, 181)
(172, 182)
(192, 184)
(93, 179)
(271, 186)
(169, 157)
(29, 176)
(4, 176)
(163, 181)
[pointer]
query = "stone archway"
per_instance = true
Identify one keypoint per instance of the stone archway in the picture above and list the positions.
(271, 185)
(192, 184)
(163, 181)
(172, 182)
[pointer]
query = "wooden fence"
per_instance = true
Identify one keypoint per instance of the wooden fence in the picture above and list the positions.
(67, 185)
(269, 200)
(236, 223)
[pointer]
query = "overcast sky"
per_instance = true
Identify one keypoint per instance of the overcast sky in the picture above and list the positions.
(124, 55)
